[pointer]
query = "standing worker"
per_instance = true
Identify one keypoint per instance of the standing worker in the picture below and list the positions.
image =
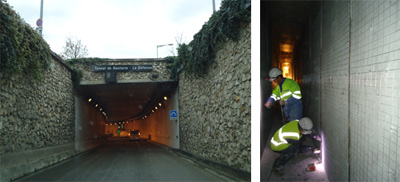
(288, 141)
(288, 93)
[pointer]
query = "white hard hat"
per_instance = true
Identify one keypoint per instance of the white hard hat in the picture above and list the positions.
(306, 123)
(273, 73)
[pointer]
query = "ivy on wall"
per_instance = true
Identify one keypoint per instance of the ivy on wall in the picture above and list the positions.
(87, 61)
(22, 49)
(199, 54)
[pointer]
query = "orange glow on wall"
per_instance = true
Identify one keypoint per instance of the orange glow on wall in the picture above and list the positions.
(286, 69)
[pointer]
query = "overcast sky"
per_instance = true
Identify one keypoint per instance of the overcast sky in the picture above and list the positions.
(118, 28)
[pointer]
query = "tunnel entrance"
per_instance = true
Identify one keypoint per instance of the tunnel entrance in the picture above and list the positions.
(139, 109)
(126, 101)
(115, 97)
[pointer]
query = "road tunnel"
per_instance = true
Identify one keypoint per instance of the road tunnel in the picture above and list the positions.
(126, 107)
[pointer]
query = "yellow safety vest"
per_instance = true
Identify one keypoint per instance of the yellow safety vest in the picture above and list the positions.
(289, 88)
(287, 131)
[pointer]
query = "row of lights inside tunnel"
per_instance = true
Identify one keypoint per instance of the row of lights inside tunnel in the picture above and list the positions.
(98, 107)
(160, 105)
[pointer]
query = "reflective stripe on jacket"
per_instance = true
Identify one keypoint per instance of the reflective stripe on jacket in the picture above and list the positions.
(290, 88)
(287, 131)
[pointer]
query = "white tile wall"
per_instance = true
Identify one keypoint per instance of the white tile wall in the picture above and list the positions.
(375, 49)
(334, 88)
(372, 110)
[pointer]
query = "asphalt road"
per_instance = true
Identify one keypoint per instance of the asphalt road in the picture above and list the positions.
(121, 160)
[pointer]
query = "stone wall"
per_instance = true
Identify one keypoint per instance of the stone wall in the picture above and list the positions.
(159, 68)
(215, 110)
(35, 115)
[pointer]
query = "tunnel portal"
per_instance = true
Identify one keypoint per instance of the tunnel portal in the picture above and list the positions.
(115, 97)
(125, 89)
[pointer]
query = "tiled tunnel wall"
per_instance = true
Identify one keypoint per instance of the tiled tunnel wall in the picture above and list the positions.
(350, 86)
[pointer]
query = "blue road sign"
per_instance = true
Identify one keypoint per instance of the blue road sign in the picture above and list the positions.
(39, 22)
(173, 115)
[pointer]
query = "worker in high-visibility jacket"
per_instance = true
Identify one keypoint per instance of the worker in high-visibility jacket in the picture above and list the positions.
(288, 93)
(288, 141)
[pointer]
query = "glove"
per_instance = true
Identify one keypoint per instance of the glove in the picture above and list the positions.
(268, 104)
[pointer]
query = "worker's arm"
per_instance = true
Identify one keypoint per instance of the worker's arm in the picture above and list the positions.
(274, 97)
(293, 142)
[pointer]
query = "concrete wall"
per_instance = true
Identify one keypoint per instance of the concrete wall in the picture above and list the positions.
(89, 125)
(215, 110)
(352, 74)
(265, 62)
(159, 126)
(36, 121)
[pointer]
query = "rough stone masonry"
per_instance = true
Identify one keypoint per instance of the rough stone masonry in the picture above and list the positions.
(37, 120)
(215, 110)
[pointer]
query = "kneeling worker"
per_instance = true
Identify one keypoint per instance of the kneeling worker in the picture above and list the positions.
(288, 141)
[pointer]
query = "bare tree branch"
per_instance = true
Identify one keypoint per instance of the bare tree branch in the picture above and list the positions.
(74, 48)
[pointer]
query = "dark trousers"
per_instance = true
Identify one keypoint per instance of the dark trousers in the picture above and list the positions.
(293, 111)
(286, 155)
(292, 150)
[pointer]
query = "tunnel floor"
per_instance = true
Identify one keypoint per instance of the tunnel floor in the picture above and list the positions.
(295, 169)
(121, 160)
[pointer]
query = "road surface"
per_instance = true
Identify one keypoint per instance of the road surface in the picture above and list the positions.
(121, 160)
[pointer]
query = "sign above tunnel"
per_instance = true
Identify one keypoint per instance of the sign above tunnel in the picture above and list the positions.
(122, 68)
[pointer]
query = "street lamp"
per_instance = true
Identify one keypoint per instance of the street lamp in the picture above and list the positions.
(162, 46)
(213, 1)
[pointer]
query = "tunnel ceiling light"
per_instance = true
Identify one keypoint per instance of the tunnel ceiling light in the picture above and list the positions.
(152, 110)
(288, 48)
(90, 99)
(96, 105)
(160, 104)
(101, 109)
(165, 98)
(156, 107)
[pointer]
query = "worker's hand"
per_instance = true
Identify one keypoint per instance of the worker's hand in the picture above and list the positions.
(282, 102)
(268, 104)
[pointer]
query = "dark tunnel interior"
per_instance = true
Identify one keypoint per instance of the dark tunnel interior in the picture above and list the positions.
(282, 28)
